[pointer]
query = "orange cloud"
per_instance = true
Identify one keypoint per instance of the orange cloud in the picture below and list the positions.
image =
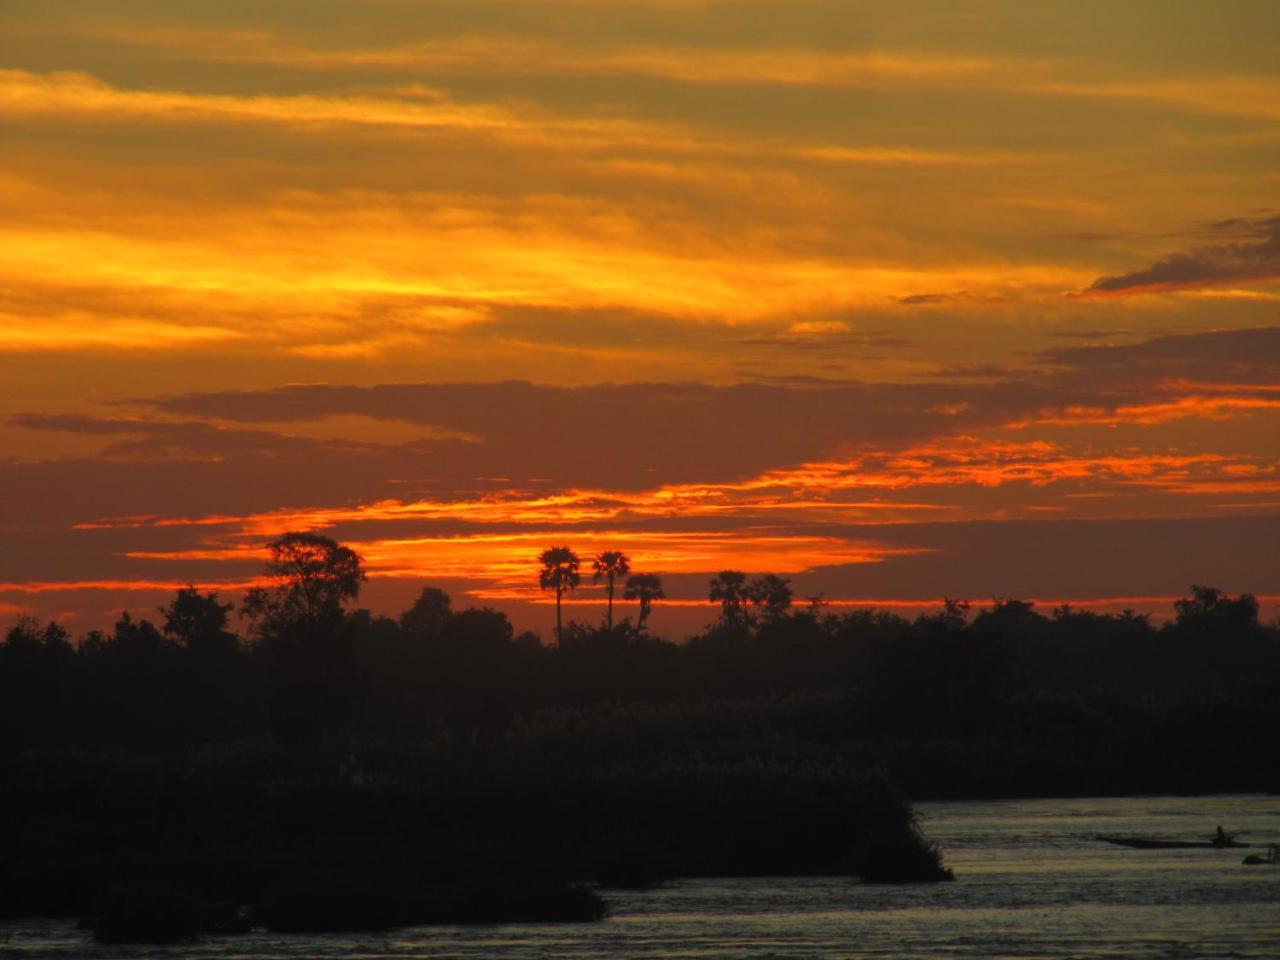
(767, 514)
(412, 272)
(29, 95)
(127, 585)
(71, 333)
(543, 56)
(1255, 97)
(958, 461)
(1200, 387)
(1198, 407)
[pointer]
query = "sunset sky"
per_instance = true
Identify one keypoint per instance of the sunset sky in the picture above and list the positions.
(897, 300)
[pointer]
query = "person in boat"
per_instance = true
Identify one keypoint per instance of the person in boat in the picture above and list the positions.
(1220, 839)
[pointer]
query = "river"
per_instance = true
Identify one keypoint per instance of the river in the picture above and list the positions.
(1032, 881)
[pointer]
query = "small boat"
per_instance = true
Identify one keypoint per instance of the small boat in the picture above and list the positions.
(1148, 843)
(1272, 858)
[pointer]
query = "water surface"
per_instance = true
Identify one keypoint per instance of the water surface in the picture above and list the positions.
(1032, 881)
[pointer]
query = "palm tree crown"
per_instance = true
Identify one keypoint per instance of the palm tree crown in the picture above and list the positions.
(646, 588)
(559, 573)
(609, 566)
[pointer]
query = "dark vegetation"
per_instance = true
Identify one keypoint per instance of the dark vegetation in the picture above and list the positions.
(339, 770)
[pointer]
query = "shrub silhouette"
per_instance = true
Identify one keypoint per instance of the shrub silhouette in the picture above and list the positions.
(900, 856)
(331, 902)
(629, 859)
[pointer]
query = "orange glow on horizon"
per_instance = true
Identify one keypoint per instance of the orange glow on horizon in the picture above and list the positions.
(506, 558)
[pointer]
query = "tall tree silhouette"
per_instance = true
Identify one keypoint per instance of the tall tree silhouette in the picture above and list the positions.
(646, 588)
(729, 589)
(559, 573)
(198, 620)
(772, 594)
(428, 615)
(609, 566)
(312, 577)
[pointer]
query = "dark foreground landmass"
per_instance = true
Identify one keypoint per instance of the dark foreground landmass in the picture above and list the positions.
(353, 772)
(388, 836)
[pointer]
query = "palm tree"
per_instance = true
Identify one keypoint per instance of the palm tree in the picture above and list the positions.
(646, 588)
(610, 565)
(559, 573)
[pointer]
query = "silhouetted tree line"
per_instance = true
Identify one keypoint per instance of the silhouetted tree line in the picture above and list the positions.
(332, 742)
(310, 670)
